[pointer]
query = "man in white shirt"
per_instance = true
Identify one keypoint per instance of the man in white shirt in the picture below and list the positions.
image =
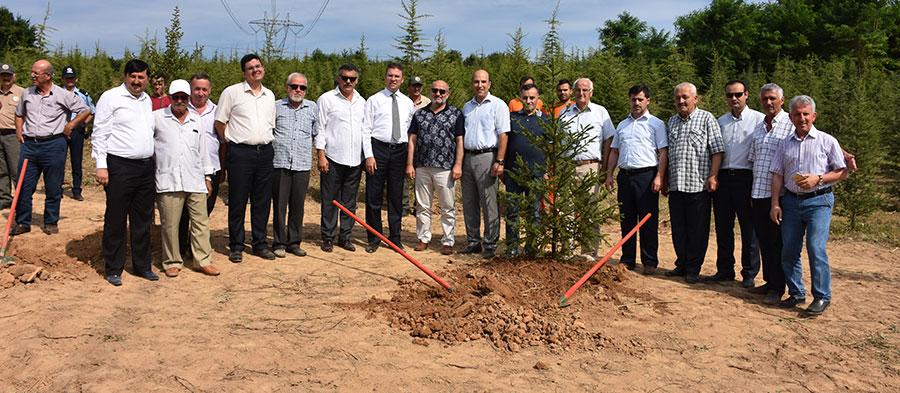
(732, 199)
(487, 125)
(245, 119)
(122, 146)
(387, 117)
(585, 114)
(339, 146)
(183, 180)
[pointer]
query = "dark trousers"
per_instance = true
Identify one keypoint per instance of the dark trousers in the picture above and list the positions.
(288, 200)
(47, 158)
(390, 160)
(768, 235)
(249, 178)
(636, 199)
(9, 164)
(512, 215)
(76, 154)
(340, 183)
(731, 200)
(129, 197)
(689, 214)
(184, 234)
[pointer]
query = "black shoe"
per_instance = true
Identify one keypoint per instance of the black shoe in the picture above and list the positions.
(791, 302)
(772, 298)
(818, 306)
(370, 248)
(20, 229)
(748, 282)
(630, 266)
(78, 197)
(719, 277)
(296, 251)
(489, 253)
(236, 257)
(148, 275)
(676, 272)
(471, 249)
(692, 278)
(114, 279)
(649, 270)
(265, 253)
(51, 229)
(760, 290)
(327, 246)
(347, 245)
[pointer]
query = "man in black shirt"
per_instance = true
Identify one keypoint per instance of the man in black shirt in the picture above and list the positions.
(528, 120)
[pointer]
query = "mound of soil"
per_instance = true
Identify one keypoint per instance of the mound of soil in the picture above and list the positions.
(512, 304)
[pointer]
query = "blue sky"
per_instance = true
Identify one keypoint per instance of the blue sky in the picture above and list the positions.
(468, 25)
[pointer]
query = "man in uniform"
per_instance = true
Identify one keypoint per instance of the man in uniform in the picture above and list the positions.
(10, 94)
(79, 134)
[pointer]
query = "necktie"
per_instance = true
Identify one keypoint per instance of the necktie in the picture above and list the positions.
(395, 118)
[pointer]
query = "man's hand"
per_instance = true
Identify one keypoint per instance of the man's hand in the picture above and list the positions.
(807, 182)
(610, 185)
(67, 129)
(371, 165)
(850, 159)
(656, 185)
(102, 175)
(775, 214)
(208, 187)
(496, 170)
(222, 176)
(323, 163)
(410, 172)
(712, 184)
(456, 172)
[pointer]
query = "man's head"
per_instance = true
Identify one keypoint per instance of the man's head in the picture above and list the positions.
(158, 81)
(393, 76)
(347, 78)
(529, 94)
(69, 77)
(440, 92)
(414, 89)
(135, 78)
(639, 97)
(42, 73)
(200, 88)
(253, 69)
(564, 90)
(481, 84)
(771, 98)
(584, 90)
(296, 87)
(180, 94)
(685, 98)
(7, 75)
(803, 113)
(736, 95)
(525, 80)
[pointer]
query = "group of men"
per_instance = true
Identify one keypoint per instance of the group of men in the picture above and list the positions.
(176, 147)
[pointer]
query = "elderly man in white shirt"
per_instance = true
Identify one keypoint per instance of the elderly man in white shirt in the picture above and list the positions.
(183, 180)
(339, 146)
(122, 146)
(387, 117)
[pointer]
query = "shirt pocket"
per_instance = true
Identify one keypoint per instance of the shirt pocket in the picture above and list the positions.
(697, 138)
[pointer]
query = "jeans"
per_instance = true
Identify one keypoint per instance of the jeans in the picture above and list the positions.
(49, 158)
(811, 217)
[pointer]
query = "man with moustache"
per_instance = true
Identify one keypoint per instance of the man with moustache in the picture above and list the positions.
(528, 120)
(414, 91)
(10, 94)
(435, 160)
(42, 125)
(295, 129)
(387, 117)
(564, 94)
(122, 146)
(339, 145)
(79, 134)
(183, 180)
(245, 119)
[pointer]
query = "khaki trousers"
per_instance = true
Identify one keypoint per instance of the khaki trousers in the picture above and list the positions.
(581, 171)
(171, 204)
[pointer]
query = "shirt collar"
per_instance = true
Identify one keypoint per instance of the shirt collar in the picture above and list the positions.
(167, 112)
(127, 93)
(486, 99)
(287, 102)
(246, 87)
(688, 117)
(210, 107)
(337, 93)
(524, 113)
(739, 117)
(813, 133)
(645, 116)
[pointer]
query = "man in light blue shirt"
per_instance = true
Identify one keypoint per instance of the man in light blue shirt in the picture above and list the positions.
(79, 134)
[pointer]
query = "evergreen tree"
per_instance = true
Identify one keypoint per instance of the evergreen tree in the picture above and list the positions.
(411, 44)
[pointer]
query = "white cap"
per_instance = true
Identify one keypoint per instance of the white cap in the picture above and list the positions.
(180, 86)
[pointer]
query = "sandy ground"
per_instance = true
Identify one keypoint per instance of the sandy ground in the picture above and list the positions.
(302, 324)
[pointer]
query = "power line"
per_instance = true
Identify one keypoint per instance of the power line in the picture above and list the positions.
(234, 18)
(316, 20)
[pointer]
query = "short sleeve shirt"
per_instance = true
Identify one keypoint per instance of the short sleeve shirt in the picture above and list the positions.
(47, 115)
(9, 100)
(249, 118)
(638, 140)
(485, 121)
(436, 136)
(692, 141)
(295, 129)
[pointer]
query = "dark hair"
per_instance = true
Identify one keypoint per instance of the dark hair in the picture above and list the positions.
(247, 58)
(199, 75)
(639, 88)
(348, 67)
(396, 66)
(736, 81)
(526, 78)
(563, 82)
(157, 75)
(529, 86)
(136, 65)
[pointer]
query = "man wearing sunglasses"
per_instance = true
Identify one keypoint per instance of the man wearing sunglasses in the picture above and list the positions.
(339, 147)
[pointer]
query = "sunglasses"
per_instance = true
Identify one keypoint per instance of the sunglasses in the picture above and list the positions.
(295, 87)
(349, 79)
(180, 97)
(735, 95)
(438, 91)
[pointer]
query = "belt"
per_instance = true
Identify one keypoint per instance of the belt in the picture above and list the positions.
(246, 146)
(807, 195)
(7, 131)
(134, 160)
(637, 171)
(391, 146)
(736, 172)
(480, 151)
(42, 138)
(587, 162)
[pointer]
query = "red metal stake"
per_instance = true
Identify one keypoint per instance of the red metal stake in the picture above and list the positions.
(393, 246)
(563, 301)
(12, 209)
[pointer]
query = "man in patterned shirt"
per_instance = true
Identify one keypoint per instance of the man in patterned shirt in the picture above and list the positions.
(695, 154)
(295, 128)
(434, 160)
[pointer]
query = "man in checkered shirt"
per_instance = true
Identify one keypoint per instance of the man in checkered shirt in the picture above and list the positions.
(695, 155)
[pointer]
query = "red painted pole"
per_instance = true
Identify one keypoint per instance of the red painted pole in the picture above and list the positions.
(12, 209)
(394, 246)
(565, 298)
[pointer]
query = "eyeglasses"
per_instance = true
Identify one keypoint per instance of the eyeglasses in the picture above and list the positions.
(349, 79)
(295, 87)
(438, 91)
(180, 97)
(735, 95)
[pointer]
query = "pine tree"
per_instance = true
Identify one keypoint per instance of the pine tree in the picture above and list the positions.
(411, 44)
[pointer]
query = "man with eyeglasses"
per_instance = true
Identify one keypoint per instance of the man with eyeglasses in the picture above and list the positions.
(732, 199)
(183, 181)
(435, 160)
(245, 119)
(43, 125)
(10, 94)
(339, 147)
(487, 123)
(295, 128)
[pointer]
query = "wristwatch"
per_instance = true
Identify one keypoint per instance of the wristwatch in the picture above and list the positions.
(821, 180)
(499, 162)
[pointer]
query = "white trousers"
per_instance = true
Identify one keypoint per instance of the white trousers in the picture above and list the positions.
(429, 181)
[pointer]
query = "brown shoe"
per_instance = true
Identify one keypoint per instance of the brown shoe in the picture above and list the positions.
(421, 246)
(446, 250)
(172, 272)
(209, 270)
